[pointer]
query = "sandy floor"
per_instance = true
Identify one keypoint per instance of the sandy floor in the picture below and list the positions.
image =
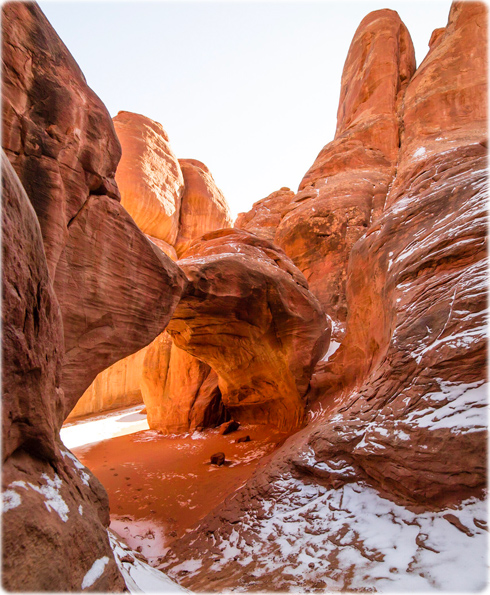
(160, 486)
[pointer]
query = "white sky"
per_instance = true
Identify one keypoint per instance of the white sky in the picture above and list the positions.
(248, 87)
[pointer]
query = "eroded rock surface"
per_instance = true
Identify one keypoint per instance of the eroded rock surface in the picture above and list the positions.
(149, 176)
(180, 392)
(345, 189)
(399, 429)
(49, 498)
(204, 208)
(116, 290)
(248, 314)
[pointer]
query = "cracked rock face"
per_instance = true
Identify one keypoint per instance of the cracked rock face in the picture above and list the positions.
(61, 142)
(248, 314)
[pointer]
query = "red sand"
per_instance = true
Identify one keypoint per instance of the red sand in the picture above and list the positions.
(160, 486)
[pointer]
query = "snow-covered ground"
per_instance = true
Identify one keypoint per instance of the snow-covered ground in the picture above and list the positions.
(104, 426)
(140, 577)
(354, 539)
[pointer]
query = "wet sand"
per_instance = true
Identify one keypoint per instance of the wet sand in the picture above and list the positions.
(160, 486)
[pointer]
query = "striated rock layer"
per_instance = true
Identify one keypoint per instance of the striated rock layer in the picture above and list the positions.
(248, 314)
(48, 496)
(345, 189)
(149, 176)
(399, 429)
(204, 208)
(116, 290)
(83, 287)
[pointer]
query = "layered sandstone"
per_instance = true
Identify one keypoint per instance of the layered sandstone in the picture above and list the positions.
(180, 392)
(204, 208)
(248, 314)
(266, 214)
(115, 288)
(345, 189)
(48, 496)
(399, 429)
(149, 176)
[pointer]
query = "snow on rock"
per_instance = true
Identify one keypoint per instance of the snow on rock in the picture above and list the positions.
(10, 499)
(139, 576)
(349, 538)
(95, 572)
(50, 492)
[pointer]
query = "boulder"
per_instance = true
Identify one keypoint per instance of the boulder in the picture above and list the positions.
(204, 208)
(229, 427)
(218, 459)
(149, 176)
(249, 315)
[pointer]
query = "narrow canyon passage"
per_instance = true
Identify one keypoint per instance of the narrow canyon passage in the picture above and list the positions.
(160, 486)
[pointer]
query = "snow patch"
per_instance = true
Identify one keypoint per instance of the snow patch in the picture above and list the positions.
(110, 425)
(50, 491)
(10, 499)
(138, 576)
(95, 572)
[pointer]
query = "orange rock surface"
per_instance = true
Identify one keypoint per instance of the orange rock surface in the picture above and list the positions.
(346, 187)
(204, 208)
(400, 420)
(37, 470)
(117, 386)
(149, 176)
(249, 315)
(266, 214)
(180, 392)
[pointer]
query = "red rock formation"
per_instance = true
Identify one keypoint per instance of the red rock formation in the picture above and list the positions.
(149, 176)
(118, 386)
(60, 139)
(346, 187)
(48, 496)
(399, 431)
(249, 315)
(180, 392)
(115, 290)
(266, 214)
(204, 208)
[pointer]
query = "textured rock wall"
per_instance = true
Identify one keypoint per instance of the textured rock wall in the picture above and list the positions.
(346, 187)
(249, 315)
(149, 176)
(400, 426)
(85, 289)
(204, 208)
(48, 496)
(60, 140)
